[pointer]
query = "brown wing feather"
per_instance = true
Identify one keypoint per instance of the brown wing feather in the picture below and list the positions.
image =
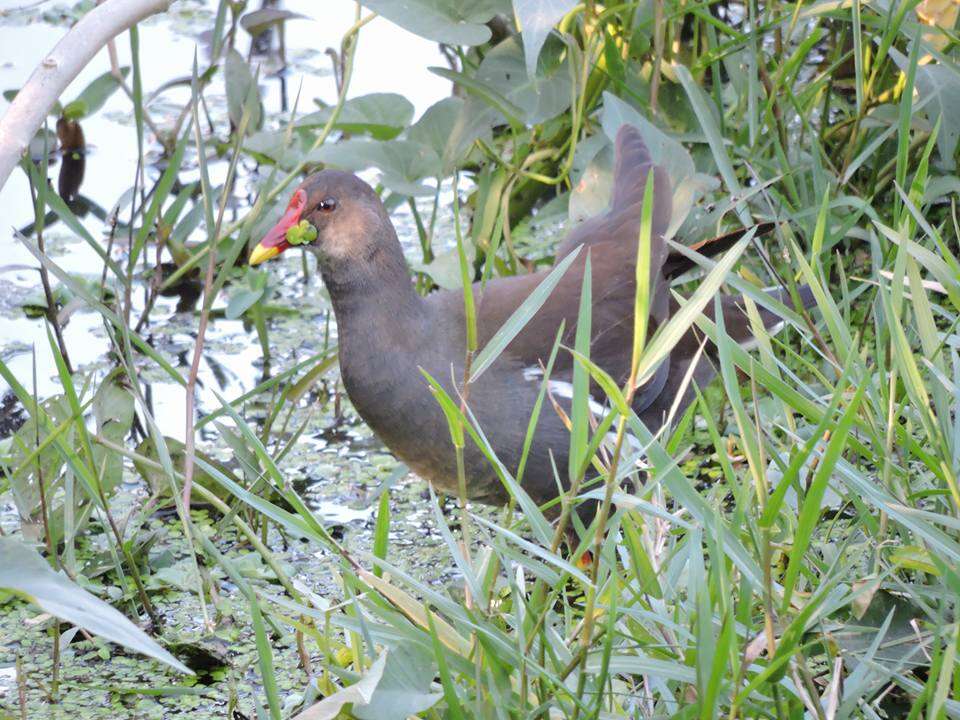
(621, 222)
(610, 240)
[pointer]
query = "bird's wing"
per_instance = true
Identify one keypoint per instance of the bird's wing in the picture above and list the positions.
(610, 241)
(688, 350)
(621, 221)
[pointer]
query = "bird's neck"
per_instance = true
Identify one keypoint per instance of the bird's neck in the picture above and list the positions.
(373, 297)
(381, 325)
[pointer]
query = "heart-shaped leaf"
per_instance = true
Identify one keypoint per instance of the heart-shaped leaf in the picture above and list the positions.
(446, 21)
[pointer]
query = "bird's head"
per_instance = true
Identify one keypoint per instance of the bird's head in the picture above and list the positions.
(334, 214)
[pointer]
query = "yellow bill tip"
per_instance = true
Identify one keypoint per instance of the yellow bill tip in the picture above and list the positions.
(262, 253)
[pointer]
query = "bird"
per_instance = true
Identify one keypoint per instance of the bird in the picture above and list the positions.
(391, 338)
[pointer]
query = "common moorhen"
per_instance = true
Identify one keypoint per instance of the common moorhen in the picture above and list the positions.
(388, 333)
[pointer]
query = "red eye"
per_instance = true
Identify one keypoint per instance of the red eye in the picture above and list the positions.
(328, 204)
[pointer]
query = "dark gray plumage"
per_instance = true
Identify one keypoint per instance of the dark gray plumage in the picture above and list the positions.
(389, 335)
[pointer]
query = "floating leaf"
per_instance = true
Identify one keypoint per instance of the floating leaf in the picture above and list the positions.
(25, 573)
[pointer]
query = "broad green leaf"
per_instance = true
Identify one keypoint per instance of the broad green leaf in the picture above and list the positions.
(942, 86)
(687, 184)
(706, 112)
(535, 19)
(94, 95)
(449, 128)
(239, 82)
(404, 688)
(540, 96)
(261, 20)
(359, 693)
(25, 573)
(246, 296)
(404, 163)
(592, 175)
(381, 115)
(113, 412)
(445, 21)
(938, 90)
(430, 148)
(444, 269)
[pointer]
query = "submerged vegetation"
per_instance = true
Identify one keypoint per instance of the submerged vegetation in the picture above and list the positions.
(792, 545)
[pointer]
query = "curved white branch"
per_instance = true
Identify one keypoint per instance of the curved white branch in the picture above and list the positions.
(51, 77)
